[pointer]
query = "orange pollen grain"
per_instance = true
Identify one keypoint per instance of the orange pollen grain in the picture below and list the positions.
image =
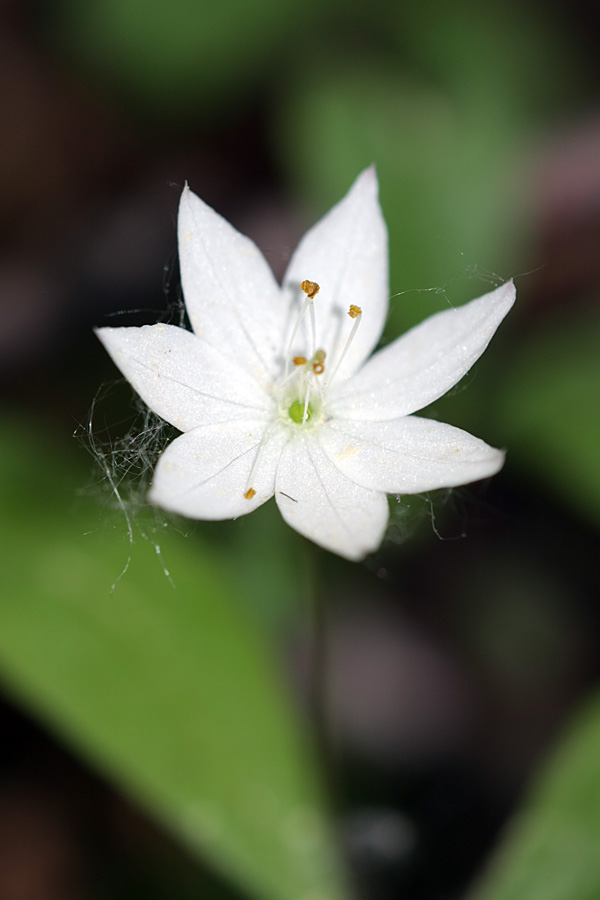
(250, 493)
(354, 311)
(310, 288)
(318, 368)
(299, 360)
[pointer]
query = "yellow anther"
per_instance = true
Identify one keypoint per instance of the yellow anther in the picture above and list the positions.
(250, 493)
(318, 362)
(354, 311)
(310, 288)
(299, 360)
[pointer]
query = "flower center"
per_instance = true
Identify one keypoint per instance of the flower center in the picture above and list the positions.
(302, 390)
(301, 393)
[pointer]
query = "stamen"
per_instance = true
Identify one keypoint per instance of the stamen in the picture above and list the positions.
(318, 362)
(301, 315)
(311, 289)
(355, 312)
(249, 493)
(313, 326)
(299, 360)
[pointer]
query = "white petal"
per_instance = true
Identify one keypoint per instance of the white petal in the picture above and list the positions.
(204, 473)
(231, 296)
(423, 364)
(409, 455)
(346, 254)
(318, 501)
(181, 378)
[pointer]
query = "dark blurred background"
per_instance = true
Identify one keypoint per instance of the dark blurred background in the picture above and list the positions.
(459, 651)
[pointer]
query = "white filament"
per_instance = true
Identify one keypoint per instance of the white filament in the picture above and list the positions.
(346, 346)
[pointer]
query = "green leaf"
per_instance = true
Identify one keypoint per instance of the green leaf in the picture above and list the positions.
(172, 58)
(546, 409)
(446, 100)
(467, 50)
(551, 852)
(176, 694)
(445, 171)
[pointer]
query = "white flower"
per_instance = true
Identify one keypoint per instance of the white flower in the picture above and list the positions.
(273, 389)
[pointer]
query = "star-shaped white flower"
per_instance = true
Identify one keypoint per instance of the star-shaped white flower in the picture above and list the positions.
(274, 390)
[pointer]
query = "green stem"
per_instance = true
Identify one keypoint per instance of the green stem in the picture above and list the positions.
(318, 679)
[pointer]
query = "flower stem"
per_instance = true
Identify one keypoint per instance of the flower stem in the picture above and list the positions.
(318, 674)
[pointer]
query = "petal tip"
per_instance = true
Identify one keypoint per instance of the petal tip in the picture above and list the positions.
(505, 296)
(509, 289)
(191, 207)
(489, 465)
(500, 458)
(368, 181)
(105, 334)
(187, 197)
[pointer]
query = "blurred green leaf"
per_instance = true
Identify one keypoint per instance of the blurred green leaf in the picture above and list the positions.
(445, 177)
(547, 409)
(551, 852)
(446, 98)
(504, 52)
(173, 57)
(174, 693)
(266, 552)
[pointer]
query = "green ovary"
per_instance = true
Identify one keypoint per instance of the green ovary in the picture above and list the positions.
(296, 412)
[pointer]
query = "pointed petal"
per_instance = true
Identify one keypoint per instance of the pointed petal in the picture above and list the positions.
(204, 473)
(409, 455)
(181, 378)
(231, 296)
(346, 254)
(322, 504)
(423, 364)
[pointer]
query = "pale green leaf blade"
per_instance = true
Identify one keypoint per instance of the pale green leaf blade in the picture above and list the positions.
(176, 694)
(445, 177)
(547, 409)
(174, 60)
(551, 851)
